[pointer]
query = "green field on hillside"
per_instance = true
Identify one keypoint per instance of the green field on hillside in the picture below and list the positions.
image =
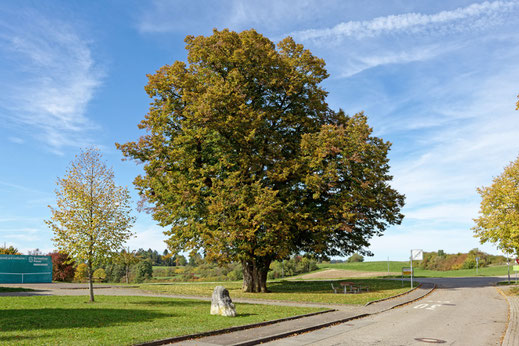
(396, 266)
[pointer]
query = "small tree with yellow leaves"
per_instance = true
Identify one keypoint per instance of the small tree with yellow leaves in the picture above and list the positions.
(92, 217)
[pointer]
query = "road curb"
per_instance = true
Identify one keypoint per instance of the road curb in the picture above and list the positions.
(511, 335)
(298, 331)
(395, 296)
(327, 324)
(227, 330)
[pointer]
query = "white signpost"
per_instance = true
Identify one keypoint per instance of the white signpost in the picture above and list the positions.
(417, 255)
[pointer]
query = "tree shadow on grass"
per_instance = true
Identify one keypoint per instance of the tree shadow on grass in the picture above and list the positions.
(31, 319)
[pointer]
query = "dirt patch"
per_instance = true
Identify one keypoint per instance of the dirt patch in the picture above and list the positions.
(342, 273)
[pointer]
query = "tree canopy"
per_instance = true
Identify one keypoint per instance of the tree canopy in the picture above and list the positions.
(92, 217)
(498, 220)
(244, 159)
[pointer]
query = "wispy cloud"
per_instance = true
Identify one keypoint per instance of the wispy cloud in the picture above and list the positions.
(147, 237)
(412, 22)
(49, 77)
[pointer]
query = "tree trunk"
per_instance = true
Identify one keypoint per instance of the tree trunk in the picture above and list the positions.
(255, 275)
(90, 282)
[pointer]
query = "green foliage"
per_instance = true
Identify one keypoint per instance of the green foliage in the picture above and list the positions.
(11, 250)
(244, 159)
(180, 260)
(498, 220)
(355, 258)
(92, 218)
(294, 266)
(143, 271)
(81, 274)
(116, 272)
(443, 262)
(99, 275)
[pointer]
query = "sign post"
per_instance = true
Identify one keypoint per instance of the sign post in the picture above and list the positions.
(406, 271)
(417, 255)
(516, 269)
(477, 265)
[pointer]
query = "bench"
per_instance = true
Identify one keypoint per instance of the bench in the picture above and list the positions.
(349, 287)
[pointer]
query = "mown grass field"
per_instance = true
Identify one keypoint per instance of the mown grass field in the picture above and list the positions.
(111, 320)
(395, 266)
(297, 291)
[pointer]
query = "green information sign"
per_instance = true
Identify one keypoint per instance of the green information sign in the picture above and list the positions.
(516, 268)
(19, 269)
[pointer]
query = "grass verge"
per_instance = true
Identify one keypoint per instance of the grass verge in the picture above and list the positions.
(297, 291)
(112, 320)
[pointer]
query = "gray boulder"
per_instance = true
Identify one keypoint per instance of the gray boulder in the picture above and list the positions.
(221, 303)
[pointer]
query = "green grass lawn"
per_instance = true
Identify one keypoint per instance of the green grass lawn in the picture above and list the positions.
(394, 266)
(298, 291)
(111, 320)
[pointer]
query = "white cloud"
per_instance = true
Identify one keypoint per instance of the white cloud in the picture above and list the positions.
(359, 63)
(410, 22)
(49, 78)
(147, 237)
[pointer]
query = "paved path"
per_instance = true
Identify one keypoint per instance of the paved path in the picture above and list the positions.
(283, 329)
(464, 311)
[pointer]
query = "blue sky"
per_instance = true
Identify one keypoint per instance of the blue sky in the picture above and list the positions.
(436, 78)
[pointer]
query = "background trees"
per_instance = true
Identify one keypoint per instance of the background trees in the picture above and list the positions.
(92, 214)
(11, 250)
(244, 159)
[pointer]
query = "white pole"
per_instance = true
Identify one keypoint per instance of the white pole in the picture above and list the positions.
(508, 262)
(411, 258)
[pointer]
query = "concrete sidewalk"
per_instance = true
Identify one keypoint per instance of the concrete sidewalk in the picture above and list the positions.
(283, 329)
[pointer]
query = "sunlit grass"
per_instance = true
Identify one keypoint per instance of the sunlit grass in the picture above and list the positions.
(111, 320)
(297, 291)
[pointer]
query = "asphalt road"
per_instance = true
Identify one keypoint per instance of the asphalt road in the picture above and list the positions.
(462, 311)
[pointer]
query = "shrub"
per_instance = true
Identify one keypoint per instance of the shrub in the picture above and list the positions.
(143, 271)
(355, 258)
(62, 267)
(99, 275)
(81, 274)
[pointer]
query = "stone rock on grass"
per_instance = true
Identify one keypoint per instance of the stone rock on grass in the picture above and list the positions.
(221, 303)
